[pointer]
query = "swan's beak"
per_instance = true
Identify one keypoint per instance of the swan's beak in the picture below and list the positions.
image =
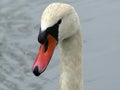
(44, 55)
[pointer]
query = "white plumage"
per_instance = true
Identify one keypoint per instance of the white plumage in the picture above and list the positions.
(69, 42)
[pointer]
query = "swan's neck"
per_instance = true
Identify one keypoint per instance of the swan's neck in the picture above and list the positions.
(71, 63)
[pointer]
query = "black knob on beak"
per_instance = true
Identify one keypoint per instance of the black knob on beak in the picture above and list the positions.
(42, 37)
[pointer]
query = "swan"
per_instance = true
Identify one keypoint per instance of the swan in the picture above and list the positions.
(60, 25)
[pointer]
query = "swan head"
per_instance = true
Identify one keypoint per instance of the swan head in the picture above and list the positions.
(58, 22)
(64, 12)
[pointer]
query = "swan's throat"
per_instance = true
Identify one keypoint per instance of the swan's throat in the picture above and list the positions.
(71, 64)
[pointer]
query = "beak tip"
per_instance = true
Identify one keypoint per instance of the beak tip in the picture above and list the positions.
(36, 71)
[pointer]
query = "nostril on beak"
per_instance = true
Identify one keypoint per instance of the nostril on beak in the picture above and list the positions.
(36, 71)
(46, 46)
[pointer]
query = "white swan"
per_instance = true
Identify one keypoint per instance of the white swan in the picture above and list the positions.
(60, 24)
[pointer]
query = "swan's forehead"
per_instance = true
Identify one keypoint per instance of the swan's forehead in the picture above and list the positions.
(53, 13)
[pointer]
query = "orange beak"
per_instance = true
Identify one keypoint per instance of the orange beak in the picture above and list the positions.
(44, 55)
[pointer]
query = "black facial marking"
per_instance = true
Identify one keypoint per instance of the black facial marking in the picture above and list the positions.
(53, 30)
(42, 37)
(59, 22)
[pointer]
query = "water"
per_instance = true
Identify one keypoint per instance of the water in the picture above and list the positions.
(19, 27)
